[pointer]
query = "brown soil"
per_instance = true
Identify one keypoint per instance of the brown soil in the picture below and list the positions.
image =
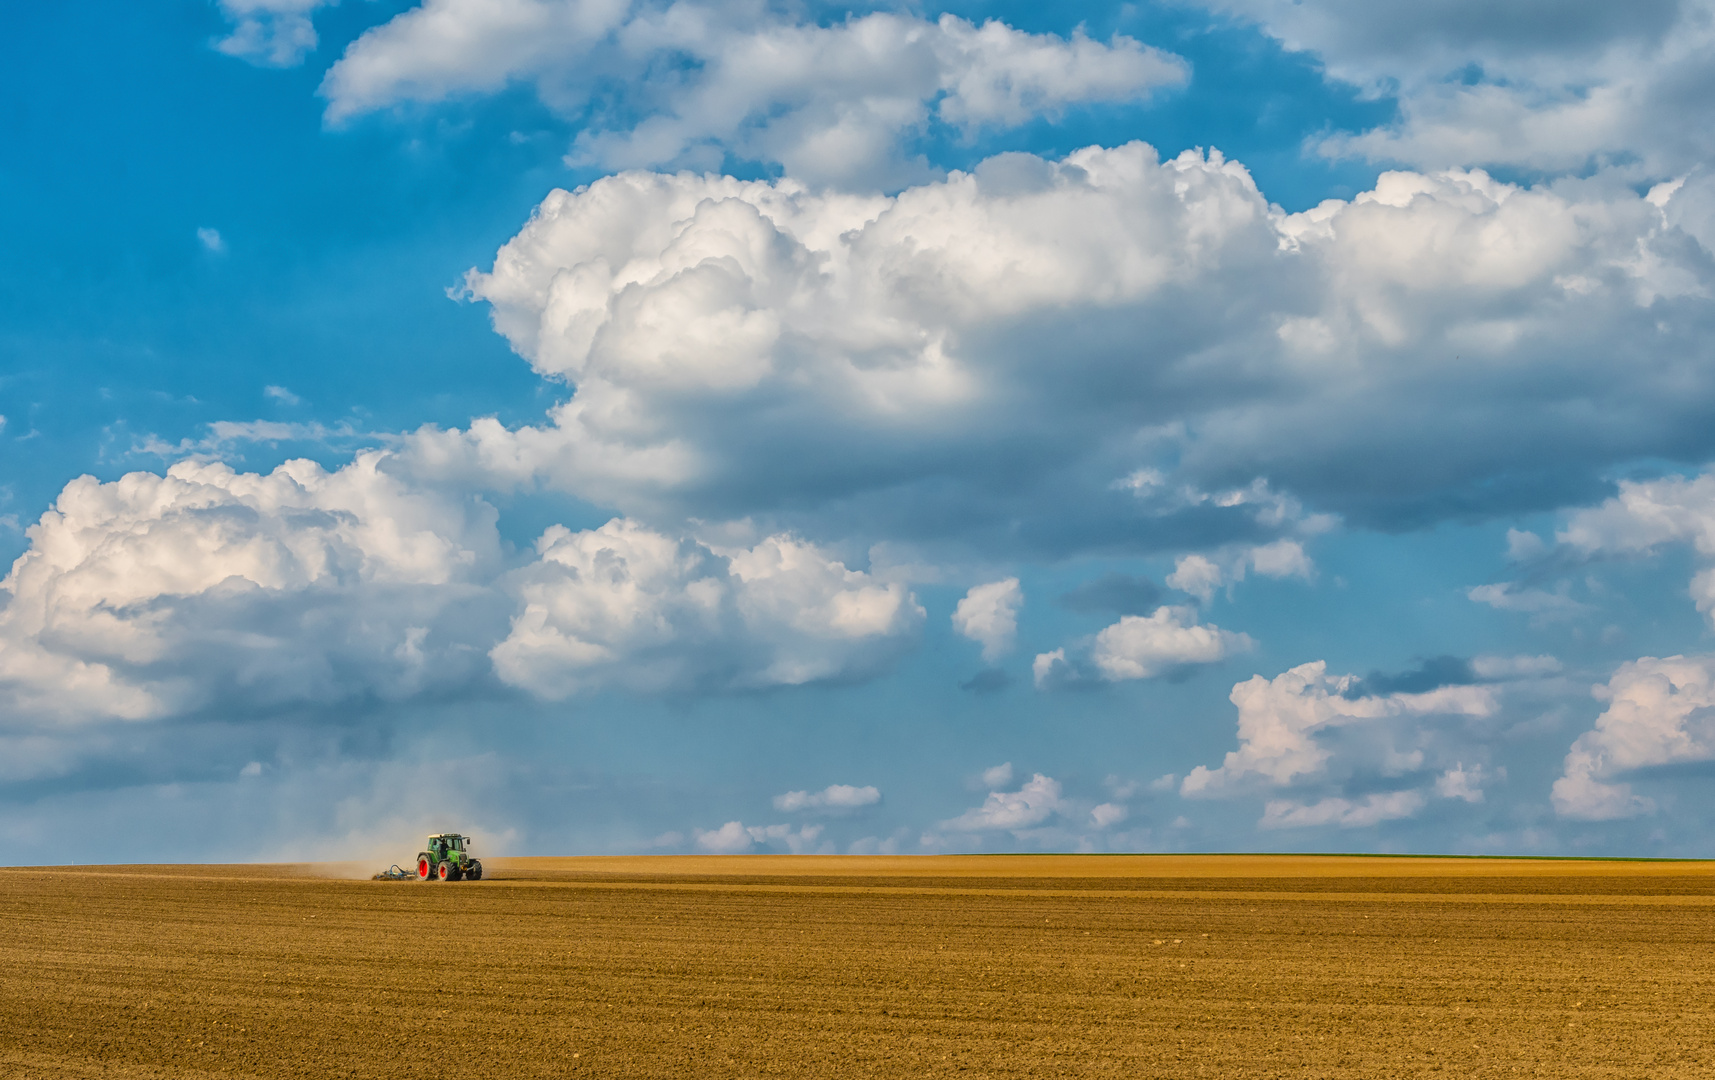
(1050, 966)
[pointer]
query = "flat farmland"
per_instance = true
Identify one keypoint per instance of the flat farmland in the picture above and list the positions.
(825, 966)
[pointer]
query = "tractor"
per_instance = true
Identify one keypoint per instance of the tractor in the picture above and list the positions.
(448, 860)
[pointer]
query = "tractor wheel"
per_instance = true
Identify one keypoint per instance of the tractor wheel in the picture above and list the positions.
(445, 871)
(475, 872)
(423, 868)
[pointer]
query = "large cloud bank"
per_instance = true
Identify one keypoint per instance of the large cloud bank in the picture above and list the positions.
(1017, 342)
(208, 588)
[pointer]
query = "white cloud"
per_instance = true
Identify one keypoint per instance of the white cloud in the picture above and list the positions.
(1647, 515)
(159, 595)
(282, 395)
(1197, 575)
(154, 594)
(734, 345)
(211, 240)
(1201, 576)
(989, 614)
(1031, 805)
(830, 103)
(276, 33)
(224, 436)
(1049, 667)
(833, 798)
(1279, 720)
(730, 839)
(1660, 712)
(735, 838)
(1548, 85)
(998, 776)
(624, 605)
(1544, 605)
(1140, 647)
(1462, 783)
(1105, 814)
(1343, 813)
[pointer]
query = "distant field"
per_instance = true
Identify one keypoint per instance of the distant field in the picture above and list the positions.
(811, 966)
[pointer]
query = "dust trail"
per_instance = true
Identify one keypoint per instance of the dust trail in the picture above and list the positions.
(361, 853)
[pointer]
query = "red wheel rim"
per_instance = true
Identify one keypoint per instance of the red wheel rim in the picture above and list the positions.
(423, 869)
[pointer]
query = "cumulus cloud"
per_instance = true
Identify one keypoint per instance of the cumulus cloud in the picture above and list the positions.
(1197, 575)
(1011, 811)
(1645, 516)
(735, 838)
(1052, 668)
(988, 614)
(1660, 712)
(697, 83)
(1462, 783)
(1540, 84)
(1342, 813)
(1200, 575)
(729, 839)
(1137, 647)
(747, 348)
(1103, 815)
(155, 594)
(273, 33)
(998, 776)
(1279, 720)
(625, 605)
(158, 595)
(1141, 647)
(835, 798)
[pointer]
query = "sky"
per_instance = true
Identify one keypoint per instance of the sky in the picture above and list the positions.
(610, 426)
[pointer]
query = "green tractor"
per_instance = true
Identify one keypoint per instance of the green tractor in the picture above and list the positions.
(448, 860)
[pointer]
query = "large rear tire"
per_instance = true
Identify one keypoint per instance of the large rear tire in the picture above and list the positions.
(422, 868)
(445, 871)
(475, 871)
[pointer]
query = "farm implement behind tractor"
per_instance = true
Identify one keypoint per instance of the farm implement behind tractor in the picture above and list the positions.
(447, 859)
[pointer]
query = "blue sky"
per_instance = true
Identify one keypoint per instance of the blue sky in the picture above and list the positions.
(618, 427)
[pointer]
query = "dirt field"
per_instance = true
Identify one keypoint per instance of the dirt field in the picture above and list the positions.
(854, 967)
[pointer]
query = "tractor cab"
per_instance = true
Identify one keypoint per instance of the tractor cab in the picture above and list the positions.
(447, 859)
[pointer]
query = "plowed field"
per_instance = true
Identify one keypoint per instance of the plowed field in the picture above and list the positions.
(1147, 966)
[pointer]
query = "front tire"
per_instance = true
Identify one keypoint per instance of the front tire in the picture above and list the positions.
(475, 872)
(444, 871)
